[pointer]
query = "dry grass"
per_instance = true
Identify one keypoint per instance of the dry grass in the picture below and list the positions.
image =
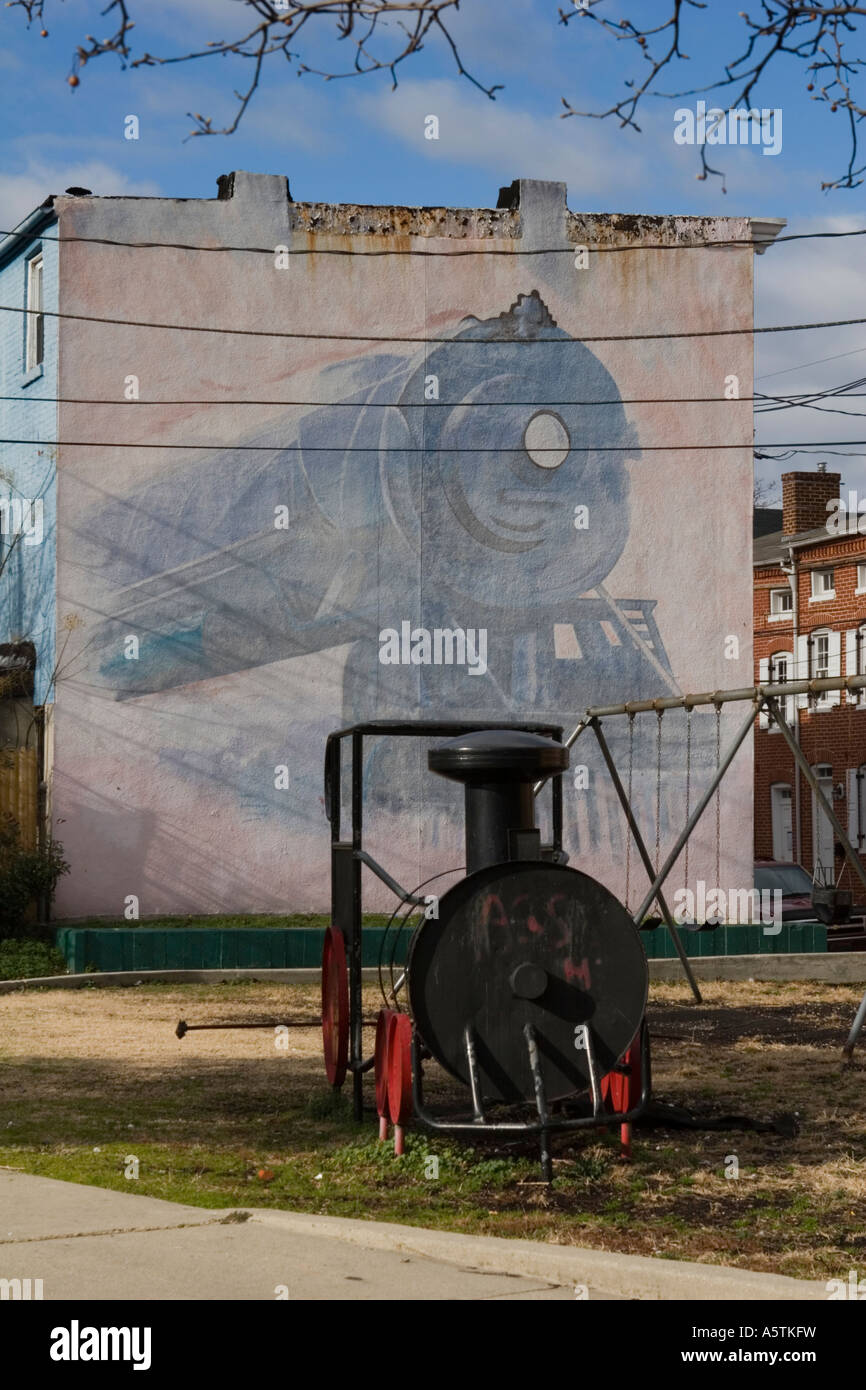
(89, 1076)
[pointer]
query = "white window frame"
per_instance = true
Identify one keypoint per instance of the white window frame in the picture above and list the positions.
(861, 578)
(820, 594)
(781, 615)
(859, 696)
(34, 339)
(829, 698)
(856, 837)
(787, 710)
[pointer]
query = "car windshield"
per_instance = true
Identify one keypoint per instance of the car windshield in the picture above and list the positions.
(791, 878)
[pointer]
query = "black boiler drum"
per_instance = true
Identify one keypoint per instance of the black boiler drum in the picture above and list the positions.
(528, 942)
(522, 939)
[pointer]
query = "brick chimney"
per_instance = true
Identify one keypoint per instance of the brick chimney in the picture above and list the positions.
(805, 497)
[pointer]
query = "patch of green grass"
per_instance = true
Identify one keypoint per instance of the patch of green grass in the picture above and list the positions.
(328, 1105)
(431, 1183)
(585, 1168)
(24, 960)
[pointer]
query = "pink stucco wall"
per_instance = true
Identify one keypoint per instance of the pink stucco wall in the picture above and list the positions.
(168, 795)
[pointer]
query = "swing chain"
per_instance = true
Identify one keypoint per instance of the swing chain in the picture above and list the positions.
(688, 784)
(628, 827)
(660, 716)
(718, 789)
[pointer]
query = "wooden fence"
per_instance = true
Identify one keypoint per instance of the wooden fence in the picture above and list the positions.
(19, 791)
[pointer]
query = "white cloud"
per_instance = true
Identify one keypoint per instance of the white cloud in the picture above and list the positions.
(499, 137)
(22, 192)
(813, 279)
(808, 282)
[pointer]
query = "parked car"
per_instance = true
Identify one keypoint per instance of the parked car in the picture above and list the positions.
(803, 901)
(795, 884)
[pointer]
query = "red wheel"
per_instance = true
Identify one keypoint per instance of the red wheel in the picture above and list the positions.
(335, 1006)
(400, 1068)
(380, 1063)
(621, 1089)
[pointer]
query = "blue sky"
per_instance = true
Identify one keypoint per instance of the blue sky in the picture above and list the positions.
(358, 141)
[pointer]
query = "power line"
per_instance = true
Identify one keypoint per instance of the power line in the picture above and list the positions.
(808, 400)
(787, 402)
(472, 251)
(400, 405)
(631, 449)
(768, 376)
(816, 447)
(408, 338)
(810, 405)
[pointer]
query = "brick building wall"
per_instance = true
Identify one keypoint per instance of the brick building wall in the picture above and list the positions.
(804, 500)
(832, 731)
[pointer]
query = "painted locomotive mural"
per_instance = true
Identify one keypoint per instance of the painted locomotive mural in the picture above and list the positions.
(452, 516)
(493, 506)
(431, 535)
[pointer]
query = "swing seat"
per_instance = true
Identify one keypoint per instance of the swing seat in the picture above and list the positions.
(650, 923)
(832, 906)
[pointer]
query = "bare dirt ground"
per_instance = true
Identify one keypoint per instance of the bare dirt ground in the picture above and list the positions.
(89, 1076)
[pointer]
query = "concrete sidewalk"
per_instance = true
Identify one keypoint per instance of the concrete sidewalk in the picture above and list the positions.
(90, 1243)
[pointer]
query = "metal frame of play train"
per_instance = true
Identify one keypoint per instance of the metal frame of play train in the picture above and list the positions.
(529, 985)
(524, 1002)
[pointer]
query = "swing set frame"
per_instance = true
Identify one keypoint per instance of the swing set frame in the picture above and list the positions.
(762, 699)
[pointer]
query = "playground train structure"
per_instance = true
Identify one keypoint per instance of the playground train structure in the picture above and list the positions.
(526, 981)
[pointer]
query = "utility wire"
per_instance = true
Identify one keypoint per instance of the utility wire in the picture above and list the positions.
(408, 338)
(378, 450)
(809, 399)
(801, 366)
(472, 251)
(787, 402)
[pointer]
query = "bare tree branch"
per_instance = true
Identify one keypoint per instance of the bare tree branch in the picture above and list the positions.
(815, 33)
(400, 25)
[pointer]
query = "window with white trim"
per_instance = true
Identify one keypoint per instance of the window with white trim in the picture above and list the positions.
(34, 347)
(825, 663)
(823, 584)
(782, 602)
(861, 579)
(859, 696)
(781, 671)
(856, 817)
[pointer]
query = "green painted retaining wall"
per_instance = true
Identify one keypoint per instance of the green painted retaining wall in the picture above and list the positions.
(204, 948)
(281, 948)
(737, 941)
